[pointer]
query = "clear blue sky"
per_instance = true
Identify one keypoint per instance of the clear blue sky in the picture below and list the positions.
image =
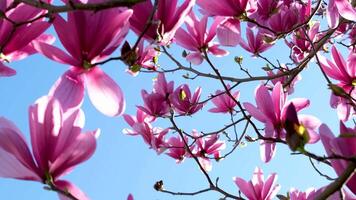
(124, 164)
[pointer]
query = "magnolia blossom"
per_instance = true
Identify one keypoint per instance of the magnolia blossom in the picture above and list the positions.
(17, 42)
(343, 145)
(339, 7)
(300, 43)
(345, 73)
(89, 37)
(312, 193)
(223, 102)
(58, 145)
(184, 102)
(176, 148)
(229, 31)
(258, 188)
(205, 146)
(271, 110)
(141, 125)
(255, 42)
(166, 21)
(198, 40)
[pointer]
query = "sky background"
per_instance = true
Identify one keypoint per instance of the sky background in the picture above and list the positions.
(124, 164)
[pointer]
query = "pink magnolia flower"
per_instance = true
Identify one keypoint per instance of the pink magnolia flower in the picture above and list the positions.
(345, 73)
(141, 125)
(208, 145)
(312, 193)
(166, 21)
(176, 148)
(16, 42)
(143, 57)
(57, 146)
(339, 7)
(300, 44)
(197, 39)
(223, 102)
(89, 37)
(154, 104)
(162, 87)
(289, 15)
(271, 110)
(184, 102)
(343, 145)
(227, 8)
(265, 9)
(256, 43)
(258, 188)
(228, 32)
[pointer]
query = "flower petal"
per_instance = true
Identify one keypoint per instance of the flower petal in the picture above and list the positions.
(104, 93)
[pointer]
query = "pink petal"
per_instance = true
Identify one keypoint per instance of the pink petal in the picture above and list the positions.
(195, 58)
(71, 188)
(104, 93)
(69, 90)
(312, 124)
(81, 149)
(6, 71)
(215, 50)
(245, 187)
(267, 148)
(229, 32)
(254, 112)
(15, 157)
(264, 103)
(346, 10)
(55, 54)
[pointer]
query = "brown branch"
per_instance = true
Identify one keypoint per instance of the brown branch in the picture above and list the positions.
(338, 183)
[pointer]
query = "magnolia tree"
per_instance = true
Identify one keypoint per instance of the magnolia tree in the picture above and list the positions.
(315, 34)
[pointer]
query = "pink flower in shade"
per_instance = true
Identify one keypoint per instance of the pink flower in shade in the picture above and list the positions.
(208, 145)
(184, 102)
(197, 39)
(57, 146)
(257, 188)
(343, 145)
(283, 79)
(228, 32)
(17, 42)
(223, 102)
(167, 20)
(176, 148)
(255, 42)
(271, 110)
(141, 125)
(339, 7)
(227, 8)
(345, 73)
(143, 57)
(265, 9)
(289, 15)
(300, 131)
(300, 44)
(89, 37)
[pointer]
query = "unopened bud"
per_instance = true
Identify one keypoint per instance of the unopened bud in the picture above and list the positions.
(238, 59)
(158, 185)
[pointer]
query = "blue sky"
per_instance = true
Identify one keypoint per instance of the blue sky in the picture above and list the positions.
(124, 164)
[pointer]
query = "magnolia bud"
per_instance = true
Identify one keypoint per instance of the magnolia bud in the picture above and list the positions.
(158, 185)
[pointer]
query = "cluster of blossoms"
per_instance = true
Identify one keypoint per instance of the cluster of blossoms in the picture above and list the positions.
(91, 37)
